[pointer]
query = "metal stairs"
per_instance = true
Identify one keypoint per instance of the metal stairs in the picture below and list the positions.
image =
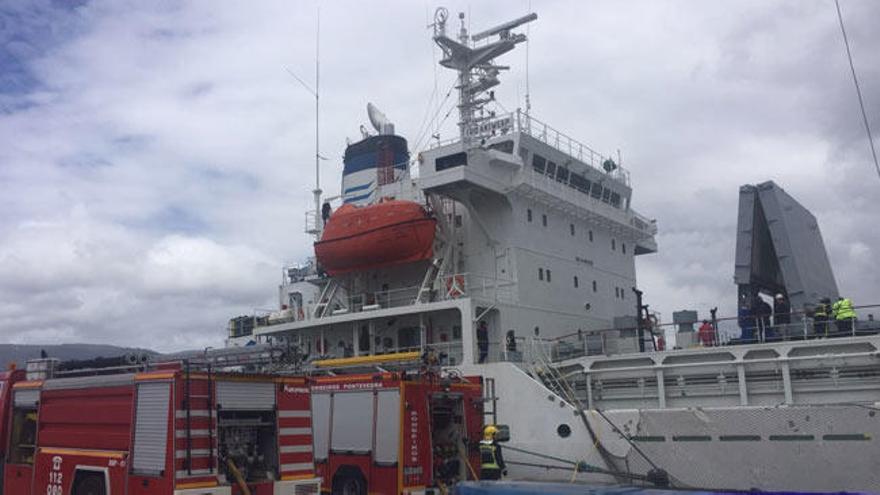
(327, 296)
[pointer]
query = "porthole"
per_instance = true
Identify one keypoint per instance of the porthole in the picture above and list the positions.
(563, 430)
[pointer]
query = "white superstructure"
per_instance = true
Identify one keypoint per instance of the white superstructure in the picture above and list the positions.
(536, 241)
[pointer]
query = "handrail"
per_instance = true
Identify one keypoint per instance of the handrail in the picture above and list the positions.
(719, 320)
(526, 124)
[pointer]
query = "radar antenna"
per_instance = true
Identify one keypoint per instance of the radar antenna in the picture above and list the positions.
(477, 72)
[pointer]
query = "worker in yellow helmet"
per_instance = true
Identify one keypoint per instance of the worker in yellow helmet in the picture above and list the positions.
(491, 461)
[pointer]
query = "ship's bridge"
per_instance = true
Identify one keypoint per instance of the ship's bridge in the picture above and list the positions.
(524, 156)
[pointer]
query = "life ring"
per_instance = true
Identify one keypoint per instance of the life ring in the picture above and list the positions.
(455, 286)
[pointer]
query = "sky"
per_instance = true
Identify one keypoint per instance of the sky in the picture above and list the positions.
(156, 158)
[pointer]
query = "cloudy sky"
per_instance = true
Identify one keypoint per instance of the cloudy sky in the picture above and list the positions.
(156, 157)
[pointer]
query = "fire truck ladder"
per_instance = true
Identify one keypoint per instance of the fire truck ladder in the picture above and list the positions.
(210, 419)
(489, 397)
(187, 388)
(187, 400)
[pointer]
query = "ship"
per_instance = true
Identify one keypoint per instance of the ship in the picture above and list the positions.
(511, 255)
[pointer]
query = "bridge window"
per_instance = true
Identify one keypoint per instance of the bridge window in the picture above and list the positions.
(562, 175)
(544, 219)
(571, 228)
(595, 286)
(540, 274)
(623, 247)
(613, 245)
(539, 163)
(591, 236)
(551, 169)
(577, 181)
(503, 146)
(615, 200)
(529, 214)
(548, 275)
(575, 282)
(596, 191)
(606, 195)
(450, 161)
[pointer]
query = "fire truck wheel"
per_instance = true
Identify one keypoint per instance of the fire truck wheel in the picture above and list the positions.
(349, 483)
(89, 484)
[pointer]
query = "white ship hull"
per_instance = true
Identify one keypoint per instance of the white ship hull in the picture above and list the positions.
(792, 448)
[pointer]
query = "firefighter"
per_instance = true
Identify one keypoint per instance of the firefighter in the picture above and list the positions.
(491, 461)
(844, 315)
(820, 317)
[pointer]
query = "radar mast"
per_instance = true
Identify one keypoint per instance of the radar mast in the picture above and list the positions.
(477, 71)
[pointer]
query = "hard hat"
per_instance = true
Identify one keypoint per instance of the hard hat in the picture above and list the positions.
(489, 432)
(779, 296)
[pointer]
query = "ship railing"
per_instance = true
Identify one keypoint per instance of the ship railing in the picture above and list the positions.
(800, 325)
(477, 285)
(312, 222)
(520, 121)
(543, 132)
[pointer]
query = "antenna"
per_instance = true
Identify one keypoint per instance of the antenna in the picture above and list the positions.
(528, 47)
(504, 29)
(319, 221)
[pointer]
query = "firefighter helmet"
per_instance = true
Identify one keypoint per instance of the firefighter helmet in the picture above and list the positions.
(489, 432)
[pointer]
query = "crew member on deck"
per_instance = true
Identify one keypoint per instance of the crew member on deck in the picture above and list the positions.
(746, 323)
(483, 341)
(845, 315)
(781, 314)
(706, 334)
(820, 317)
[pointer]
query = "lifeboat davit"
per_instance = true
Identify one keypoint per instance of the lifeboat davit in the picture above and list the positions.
(388, 233)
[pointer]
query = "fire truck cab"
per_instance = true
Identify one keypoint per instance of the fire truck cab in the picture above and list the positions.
(164, 431)
(396, 432)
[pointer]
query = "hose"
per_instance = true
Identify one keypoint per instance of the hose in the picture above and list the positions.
(238, 478)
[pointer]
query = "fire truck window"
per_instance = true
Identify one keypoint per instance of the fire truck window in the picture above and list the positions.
(387, 426)
(321, 425)
(24, 435)
(351, 423)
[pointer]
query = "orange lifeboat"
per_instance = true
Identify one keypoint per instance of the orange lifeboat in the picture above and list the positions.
(383, 234)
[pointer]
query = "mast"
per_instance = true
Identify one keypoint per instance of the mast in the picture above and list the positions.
(319, 221)
(477, 72)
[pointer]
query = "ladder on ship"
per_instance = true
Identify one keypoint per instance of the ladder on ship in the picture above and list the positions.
(442, 244)
(327, 296)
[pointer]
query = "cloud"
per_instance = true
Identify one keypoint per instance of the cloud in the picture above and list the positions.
(156, 159)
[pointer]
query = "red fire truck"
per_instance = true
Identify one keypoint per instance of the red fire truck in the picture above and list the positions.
(396, 432)
(169, 430)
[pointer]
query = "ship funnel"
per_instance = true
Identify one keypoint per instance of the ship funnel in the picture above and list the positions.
(379, 120)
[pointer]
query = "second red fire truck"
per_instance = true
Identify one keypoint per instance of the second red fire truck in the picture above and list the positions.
(404, 432)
